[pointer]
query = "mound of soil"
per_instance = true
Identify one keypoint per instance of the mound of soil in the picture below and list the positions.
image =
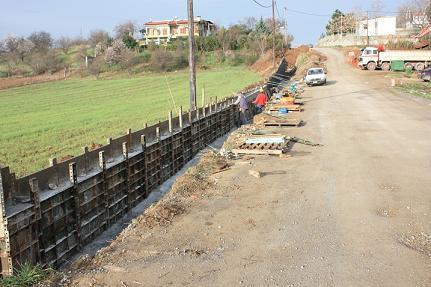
(292, 55)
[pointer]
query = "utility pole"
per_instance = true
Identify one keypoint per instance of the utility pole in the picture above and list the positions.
(192, 59)
(273, 33)
(285, 30)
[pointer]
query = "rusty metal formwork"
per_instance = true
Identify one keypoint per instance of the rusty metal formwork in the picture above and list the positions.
(48, 216)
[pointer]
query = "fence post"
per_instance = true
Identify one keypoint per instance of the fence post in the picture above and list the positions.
(129, 139)
(215, 108)
(35, 201)
(5, 258)
(73, 178)
(171, 128)
(180, 117)
(53, 164)
(211, 105)
(110, 149)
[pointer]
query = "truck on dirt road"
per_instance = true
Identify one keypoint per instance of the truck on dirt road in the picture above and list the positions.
(372, 58)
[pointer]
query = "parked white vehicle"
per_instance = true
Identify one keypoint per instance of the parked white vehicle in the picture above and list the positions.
(371, 58)
(315, 76)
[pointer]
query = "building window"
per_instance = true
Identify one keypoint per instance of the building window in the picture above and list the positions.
(165, 32)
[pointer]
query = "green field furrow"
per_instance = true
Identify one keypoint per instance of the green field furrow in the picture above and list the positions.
(56, 119)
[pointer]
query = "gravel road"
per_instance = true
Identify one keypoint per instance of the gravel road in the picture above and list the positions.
(353, 212)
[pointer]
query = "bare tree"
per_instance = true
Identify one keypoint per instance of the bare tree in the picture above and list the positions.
(249, 22)
(42, 41)
(48, 62)
(65, 43)
(125, 29)
(98, 37)
(18, 46)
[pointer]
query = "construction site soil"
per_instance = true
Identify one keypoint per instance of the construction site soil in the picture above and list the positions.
(353, 211)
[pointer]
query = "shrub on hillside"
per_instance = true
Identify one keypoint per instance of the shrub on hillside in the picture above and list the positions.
(49, 62)
(163, 61)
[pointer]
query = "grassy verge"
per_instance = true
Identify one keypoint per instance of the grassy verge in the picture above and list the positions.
(420, 89)
(27, 275)
(57, 119)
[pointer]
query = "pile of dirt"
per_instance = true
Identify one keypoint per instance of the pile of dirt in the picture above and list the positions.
(261, 118)
(264, 66)
(307, 60)
(291, 55)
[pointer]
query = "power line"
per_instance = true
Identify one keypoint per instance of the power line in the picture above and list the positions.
(261, 5)
(308, 13)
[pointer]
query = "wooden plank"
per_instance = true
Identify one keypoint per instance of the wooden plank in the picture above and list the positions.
(281, 124)
(254, 151)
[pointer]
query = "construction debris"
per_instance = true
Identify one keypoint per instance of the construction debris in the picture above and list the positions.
(303, 141)
(256, 174)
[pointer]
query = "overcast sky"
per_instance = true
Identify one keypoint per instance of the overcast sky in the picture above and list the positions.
(71, 18)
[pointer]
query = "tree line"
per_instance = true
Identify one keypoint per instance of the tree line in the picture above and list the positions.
(40, 53)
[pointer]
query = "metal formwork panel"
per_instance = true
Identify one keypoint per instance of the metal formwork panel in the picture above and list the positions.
(166, 163)
(92, 207)
(153, 166)
(24, 238)
(177, 152)
(187, 144)
(57, 226)
(137, 178)
(116, 192)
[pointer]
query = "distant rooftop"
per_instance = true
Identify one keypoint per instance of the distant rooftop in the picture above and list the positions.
(175, 22)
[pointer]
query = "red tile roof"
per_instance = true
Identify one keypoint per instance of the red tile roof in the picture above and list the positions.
(171, 22)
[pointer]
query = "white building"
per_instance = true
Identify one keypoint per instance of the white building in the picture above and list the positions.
(381, 26)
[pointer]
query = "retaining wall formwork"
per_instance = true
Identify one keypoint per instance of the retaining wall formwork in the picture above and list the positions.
(48, 216)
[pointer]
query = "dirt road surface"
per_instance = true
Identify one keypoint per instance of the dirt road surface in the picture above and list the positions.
(353, 212)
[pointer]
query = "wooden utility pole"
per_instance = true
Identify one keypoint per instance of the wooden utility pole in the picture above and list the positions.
(192, 59)
(273, 32)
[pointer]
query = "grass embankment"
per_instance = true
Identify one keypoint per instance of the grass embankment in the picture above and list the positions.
(420, 89)
(56, 119)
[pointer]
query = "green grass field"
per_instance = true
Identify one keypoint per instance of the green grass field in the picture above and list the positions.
(56, 119)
